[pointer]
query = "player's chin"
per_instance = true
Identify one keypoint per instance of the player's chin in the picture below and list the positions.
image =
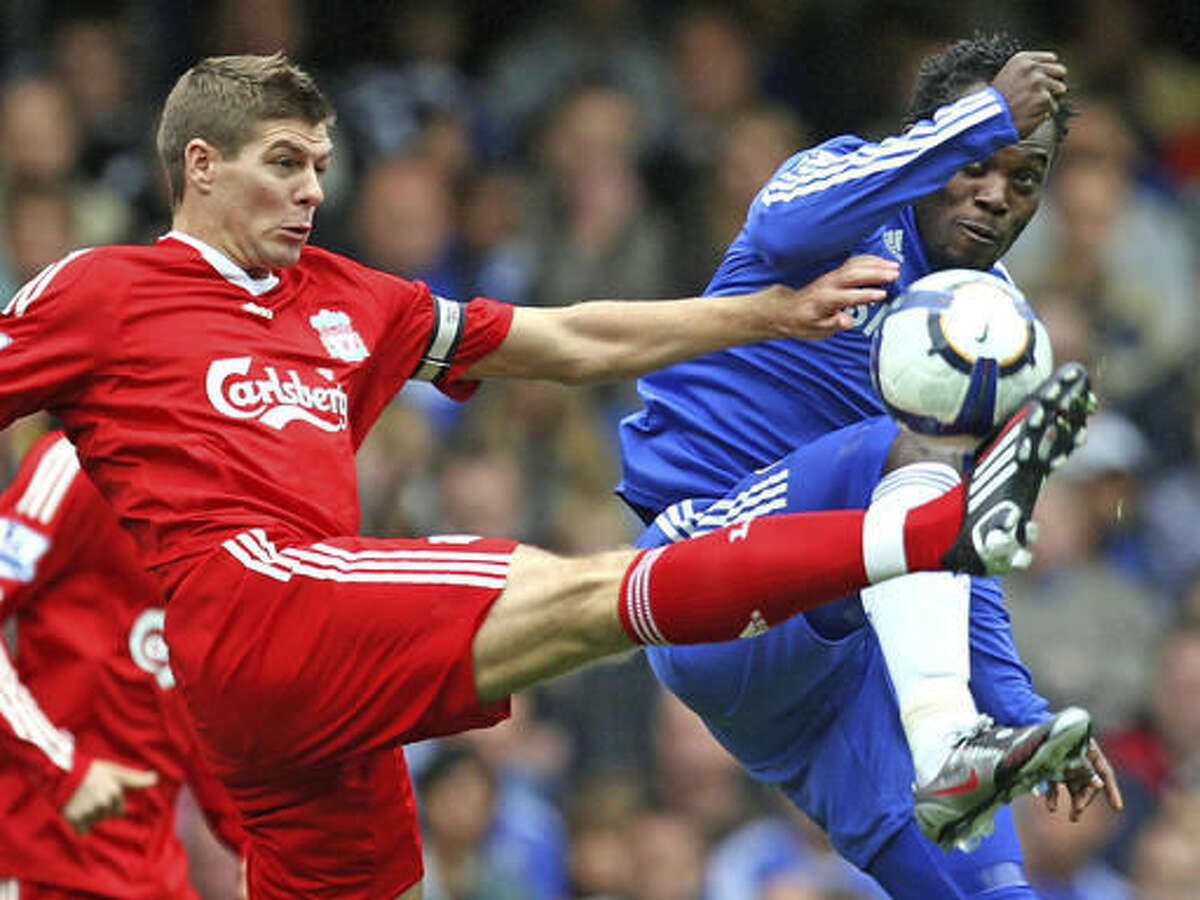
(285, 253)
(972, 256)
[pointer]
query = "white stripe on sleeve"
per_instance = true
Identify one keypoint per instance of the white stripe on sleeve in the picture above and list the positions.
(28, 722)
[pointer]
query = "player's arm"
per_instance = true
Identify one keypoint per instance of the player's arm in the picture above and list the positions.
(85, 789)
(30, 743)
(824, 200)
(32, 510)
(620, 338)
(1000, 681)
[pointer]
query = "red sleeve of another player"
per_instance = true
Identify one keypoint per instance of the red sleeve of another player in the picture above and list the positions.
(51, 332)
(30, 511)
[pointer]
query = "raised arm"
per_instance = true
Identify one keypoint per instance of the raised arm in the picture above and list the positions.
(610, 339)
(823, 200)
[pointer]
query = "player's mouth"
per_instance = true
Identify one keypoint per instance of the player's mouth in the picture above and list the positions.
(296, 232)
(978, 231)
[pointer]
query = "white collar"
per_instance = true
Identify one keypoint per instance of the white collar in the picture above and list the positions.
(226, 267)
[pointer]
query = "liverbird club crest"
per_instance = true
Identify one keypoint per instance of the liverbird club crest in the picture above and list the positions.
(337, 333)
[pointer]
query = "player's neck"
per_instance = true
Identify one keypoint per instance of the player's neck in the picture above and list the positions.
(188, 221)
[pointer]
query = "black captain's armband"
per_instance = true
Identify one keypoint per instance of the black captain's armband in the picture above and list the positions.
(449, 319)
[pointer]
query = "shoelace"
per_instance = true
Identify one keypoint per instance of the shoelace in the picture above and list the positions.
(982, 724)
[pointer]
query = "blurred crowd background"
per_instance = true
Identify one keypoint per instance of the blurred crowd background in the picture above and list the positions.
(546, 152)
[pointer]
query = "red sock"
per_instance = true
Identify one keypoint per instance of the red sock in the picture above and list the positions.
(931, 529)
(739, 581)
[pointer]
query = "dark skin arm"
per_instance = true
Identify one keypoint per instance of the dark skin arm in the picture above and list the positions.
(1031, 83)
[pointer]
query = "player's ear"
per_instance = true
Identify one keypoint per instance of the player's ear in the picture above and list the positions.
(199, 164)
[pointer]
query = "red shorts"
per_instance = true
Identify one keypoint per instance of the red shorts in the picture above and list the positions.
(306, 667)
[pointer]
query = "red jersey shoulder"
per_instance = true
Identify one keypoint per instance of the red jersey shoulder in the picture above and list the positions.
(89, 275)
(333, 270)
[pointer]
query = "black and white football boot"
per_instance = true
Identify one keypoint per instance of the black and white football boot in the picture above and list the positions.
(1010, 466)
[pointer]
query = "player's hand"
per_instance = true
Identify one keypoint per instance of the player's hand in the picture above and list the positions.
(819, 309)
(1031, 83)
(1085, 781)
(101, 794)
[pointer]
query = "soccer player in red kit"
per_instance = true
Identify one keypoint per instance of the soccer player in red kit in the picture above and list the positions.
(94, 742)
(216, 386)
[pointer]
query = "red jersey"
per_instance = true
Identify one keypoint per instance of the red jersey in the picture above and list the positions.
(91, 679)
(204, 402)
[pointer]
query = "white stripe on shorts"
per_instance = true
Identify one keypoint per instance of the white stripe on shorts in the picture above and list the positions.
(328, 563)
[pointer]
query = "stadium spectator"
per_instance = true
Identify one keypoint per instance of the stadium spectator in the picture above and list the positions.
(40, 144)
(38, 227)
(1165, 863)
(1063, 858)
(458, 793)
(1125, 253)
(1159, 754)
(599, 234)
(783, 849)
(1172, 496)
(1163, 753)
(714, 78)
(1105, 659)
(713, 209)
(95, 56)
(562, 47)
(668, 857)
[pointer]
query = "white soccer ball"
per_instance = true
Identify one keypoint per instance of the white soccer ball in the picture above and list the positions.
(957, 353)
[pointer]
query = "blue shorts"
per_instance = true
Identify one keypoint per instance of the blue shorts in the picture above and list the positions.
(808, 705)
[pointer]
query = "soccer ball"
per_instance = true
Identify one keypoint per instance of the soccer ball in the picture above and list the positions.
(957, 352)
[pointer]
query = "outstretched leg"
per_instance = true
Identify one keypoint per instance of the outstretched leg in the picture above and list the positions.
(555, 614)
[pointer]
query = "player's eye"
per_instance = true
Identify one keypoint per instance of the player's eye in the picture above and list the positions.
(1027, 180)
(975, 169)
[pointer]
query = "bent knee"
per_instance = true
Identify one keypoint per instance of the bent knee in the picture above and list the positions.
(909, 448)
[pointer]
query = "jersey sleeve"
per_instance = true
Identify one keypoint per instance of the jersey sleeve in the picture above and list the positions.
(1000, 681)
(425, 337)
(823, 200)
(460, 334)
(51, 332)
(29, 512)
(29, 741)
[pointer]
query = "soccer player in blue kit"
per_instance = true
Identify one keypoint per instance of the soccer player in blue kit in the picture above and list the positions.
(787, 425)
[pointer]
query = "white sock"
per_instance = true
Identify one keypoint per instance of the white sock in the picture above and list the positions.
(921, 623)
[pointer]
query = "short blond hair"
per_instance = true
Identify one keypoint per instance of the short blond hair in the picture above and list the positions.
(223, 99)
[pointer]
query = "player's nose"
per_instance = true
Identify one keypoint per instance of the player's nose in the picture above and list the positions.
(310, 192)
(991, 193)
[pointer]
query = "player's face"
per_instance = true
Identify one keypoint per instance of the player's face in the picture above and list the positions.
(975, 218)
(267, 194)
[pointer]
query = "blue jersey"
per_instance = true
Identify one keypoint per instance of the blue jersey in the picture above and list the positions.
(708, 422)
(792, 704)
